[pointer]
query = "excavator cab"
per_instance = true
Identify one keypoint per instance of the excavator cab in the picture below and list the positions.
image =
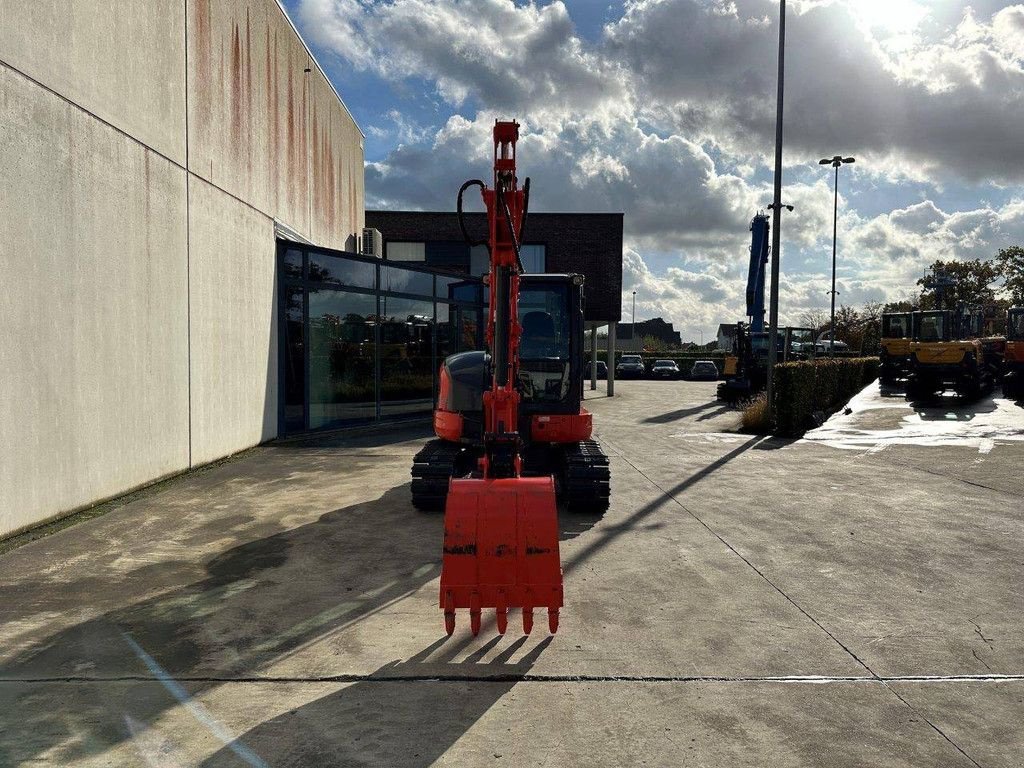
(1013, 360)
(551, 347)
(895, 346)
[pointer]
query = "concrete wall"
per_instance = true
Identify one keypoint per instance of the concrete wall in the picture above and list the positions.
(147, 147)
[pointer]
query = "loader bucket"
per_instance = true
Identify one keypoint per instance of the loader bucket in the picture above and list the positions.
(501, 550)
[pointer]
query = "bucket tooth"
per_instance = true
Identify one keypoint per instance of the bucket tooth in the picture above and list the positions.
(527, 620)
(553, 620)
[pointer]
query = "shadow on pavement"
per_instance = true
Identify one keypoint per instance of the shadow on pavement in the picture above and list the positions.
(952, 409)
(682, 413)
(390, 719)
(260, 602)
(610, 533)
(720, 411)
(372, 437)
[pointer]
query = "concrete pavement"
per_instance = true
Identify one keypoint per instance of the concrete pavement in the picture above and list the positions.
(743, 602)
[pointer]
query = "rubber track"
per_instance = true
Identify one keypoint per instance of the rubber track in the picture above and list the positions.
(432, 468)
(586, 477)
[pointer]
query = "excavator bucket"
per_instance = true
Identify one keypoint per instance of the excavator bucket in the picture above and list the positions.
(501, 550)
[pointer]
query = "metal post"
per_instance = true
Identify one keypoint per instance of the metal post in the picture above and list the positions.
(773, 301)
(611, 358)
(593, 357)
(835, 219)
(632, 325)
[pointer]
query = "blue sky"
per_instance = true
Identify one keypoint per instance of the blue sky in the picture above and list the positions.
(664, 110)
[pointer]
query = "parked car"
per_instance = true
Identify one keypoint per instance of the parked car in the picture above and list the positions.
(704, 370)
(630, 367)
(664, 369)
(821, 347)
(602, 370)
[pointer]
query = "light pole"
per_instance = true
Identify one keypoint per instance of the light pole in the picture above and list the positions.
(632, 325)
(701, 332)
(835, 162)
(773, 296)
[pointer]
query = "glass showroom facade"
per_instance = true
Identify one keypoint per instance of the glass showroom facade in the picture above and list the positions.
(361, 339)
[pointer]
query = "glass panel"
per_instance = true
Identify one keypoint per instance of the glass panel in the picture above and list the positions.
(479, 261)
(294, 362)
(451, 255)
(458, 289)
(931, 328)
(544, 346)
(406, 356)
(291, 263)
(457, 329)
(407, 252)
(338, 269)
(406, 281)
(341, 355)
(1015, 326)
(895, 326)
(533, 258)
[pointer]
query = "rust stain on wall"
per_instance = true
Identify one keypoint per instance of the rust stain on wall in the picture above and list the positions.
(236, 87)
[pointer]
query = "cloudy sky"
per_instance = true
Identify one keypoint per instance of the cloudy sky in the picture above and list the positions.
(665, 110)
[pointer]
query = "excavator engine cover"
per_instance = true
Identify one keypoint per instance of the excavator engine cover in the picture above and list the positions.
(501, 550)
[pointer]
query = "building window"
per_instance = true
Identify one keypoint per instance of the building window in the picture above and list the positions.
(407, 251)
(362, 340)
(533, 255)
(533, 258)
(341, 357)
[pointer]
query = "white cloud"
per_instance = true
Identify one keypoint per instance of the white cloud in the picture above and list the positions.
(670, 118)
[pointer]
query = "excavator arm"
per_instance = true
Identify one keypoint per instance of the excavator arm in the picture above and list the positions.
(500, 528)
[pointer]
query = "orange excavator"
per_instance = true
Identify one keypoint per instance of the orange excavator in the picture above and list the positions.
(513, 439)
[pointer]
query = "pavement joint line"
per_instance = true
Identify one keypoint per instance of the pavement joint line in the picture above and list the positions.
(526, 677)
(933, 726)
(753, 567)
(954, 478)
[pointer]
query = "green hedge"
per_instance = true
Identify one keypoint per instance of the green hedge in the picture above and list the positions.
(803, 388)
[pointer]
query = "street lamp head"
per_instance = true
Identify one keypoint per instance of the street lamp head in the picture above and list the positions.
(849, 159)
(825, 161)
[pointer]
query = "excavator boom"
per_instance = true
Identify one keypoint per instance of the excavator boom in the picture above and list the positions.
(500, 528)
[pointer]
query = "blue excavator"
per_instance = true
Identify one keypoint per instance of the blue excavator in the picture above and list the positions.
(746, 368)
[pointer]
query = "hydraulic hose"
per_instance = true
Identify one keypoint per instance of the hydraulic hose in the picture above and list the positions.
(458, 208)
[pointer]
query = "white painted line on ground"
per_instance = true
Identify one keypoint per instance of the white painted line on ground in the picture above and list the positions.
(197, 710)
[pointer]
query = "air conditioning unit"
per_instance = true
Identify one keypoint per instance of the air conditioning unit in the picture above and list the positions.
(373, 243)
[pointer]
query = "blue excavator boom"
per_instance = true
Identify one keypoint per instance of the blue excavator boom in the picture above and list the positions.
(756, 274)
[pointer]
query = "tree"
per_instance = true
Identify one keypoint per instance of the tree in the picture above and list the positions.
(972, 284)
(815, 319)
(1010, 263)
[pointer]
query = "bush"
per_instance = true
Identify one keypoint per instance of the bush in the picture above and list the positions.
(756, 417)
(805, 388)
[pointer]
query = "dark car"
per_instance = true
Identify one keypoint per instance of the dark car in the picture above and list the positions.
(630, 367)
(602, 370)
(664, 369)
(704, 370)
